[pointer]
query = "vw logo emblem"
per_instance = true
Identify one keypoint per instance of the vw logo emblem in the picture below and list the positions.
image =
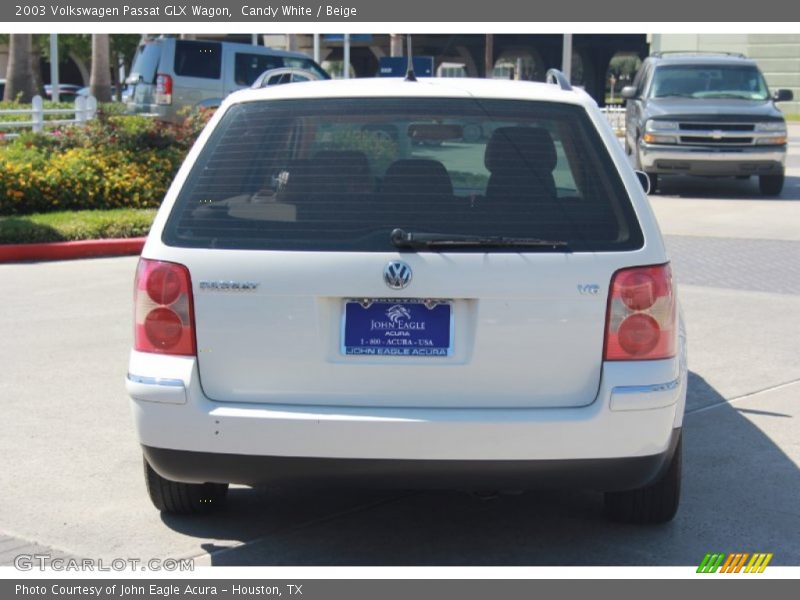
(397, 274)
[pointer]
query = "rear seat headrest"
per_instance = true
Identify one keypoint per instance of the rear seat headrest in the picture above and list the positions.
(518, 148)
(342, 170)
(349, 161)
(417, 176)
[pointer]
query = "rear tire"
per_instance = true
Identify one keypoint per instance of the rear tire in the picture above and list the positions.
(653, 177)
(177, 498)
(654, 503)
(770, 185)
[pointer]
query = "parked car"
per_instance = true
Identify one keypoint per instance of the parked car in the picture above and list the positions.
(170, 74)
(67, 92)
(706, 114)
(318, 301)
(284, 75)
(126, 93)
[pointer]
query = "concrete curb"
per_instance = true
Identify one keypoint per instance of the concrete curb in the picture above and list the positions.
(70, 250)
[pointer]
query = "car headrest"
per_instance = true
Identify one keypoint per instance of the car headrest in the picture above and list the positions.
(417, 176)
(341, 170)
(519, 148)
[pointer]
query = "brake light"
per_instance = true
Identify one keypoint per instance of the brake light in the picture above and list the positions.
(641, 319)
(164, 311)
(163, 89)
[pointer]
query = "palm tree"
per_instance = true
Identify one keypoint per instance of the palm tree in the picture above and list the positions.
(100, 80)
(19, 80)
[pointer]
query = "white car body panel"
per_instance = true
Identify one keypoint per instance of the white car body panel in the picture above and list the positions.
(594, 431)
(523, 333)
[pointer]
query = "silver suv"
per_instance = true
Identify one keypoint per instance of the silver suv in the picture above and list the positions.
(170, 74)
(708, 114)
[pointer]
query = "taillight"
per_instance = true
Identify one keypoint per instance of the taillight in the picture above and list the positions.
(163, 89)
(164, 313)
(641, 321)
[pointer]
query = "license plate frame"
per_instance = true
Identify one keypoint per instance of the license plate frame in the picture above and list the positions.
(405, 327)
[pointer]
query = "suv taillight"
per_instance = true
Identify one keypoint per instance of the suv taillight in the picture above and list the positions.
(641, 320)
(163, 89)
(164, 311)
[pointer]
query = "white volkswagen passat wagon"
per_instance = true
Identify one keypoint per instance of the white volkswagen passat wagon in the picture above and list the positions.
(444, 282)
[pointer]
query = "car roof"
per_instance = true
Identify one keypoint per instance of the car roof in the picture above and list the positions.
(237, 45)
(427, 87)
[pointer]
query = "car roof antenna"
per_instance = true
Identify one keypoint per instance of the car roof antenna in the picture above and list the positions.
(410, 72)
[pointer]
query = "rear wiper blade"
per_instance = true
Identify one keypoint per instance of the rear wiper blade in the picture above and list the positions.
(413, 239)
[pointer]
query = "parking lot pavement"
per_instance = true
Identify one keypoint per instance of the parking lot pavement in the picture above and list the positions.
(739, 491)
(71, 469)
(741, 214)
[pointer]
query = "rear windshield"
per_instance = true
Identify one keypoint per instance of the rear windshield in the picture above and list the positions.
(145, 64)
(343, 174)
(306, 64)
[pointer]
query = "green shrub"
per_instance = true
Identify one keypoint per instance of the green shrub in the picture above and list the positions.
(114, 161)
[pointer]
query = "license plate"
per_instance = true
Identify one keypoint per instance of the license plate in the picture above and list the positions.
(397, 327)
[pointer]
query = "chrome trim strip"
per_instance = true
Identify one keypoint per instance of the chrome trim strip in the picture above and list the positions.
(647, 389)
(716, 138)
(651, 153)
(155, 381)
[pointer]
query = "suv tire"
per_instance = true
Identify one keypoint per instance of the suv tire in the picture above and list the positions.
(178, 498)
(770, 185)
(653, 177)
(654, 503)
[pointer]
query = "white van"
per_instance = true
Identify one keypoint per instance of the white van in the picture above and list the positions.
(169, 74)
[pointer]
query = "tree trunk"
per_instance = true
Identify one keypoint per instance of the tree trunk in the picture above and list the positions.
(36, 71)
(100, 80)
(19, 82)
(115, 82)
(488, 56)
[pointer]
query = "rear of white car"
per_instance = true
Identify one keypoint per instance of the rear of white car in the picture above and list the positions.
(400, 283)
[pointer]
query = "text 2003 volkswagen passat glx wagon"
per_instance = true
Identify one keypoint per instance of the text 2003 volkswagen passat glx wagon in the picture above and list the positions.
(432, 283)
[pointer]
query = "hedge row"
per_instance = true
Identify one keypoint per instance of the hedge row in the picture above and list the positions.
(76, 225)
(113, 162)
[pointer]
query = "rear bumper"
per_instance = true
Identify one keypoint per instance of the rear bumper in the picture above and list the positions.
(694, 160)
(619, 440)
(608, 474)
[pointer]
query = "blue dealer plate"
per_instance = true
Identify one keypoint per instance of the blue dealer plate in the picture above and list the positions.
(397, 328)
